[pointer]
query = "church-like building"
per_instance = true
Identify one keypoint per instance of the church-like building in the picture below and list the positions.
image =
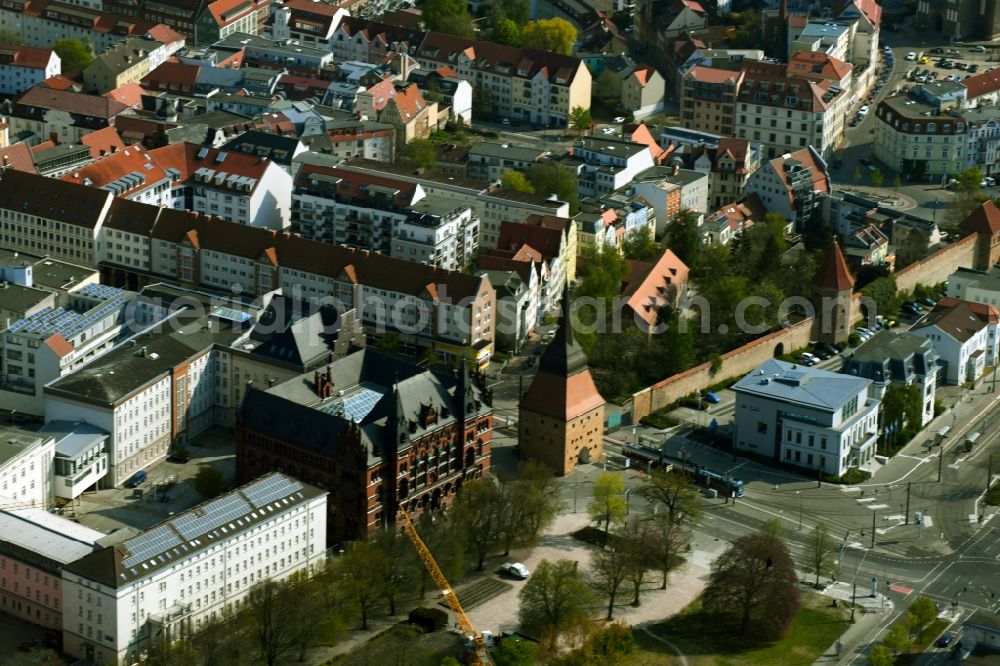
(561, 422)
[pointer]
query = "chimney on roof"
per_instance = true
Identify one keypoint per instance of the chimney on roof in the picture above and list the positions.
(142, 352)
(676, 169)
(329, 375)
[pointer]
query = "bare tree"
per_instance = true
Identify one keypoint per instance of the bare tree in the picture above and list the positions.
(821, 550)
(639, 559)
(665, 540)
(271, 611)
(755, 578)
(399, 570)
(608, 568)
(359, 572)
(676, 494)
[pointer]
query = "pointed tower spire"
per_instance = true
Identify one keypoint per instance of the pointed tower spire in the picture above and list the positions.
(564, 356)
(834, 274)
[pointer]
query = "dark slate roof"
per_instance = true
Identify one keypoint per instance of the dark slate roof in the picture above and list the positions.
(278, 148)
(295, 331)
(563, 356)
(53, 199)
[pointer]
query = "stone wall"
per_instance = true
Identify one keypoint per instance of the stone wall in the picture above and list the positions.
(735, 363)
(937, 267)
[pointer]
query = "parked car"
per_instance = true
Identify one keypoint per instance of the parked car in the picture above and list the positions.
(516, 569)
(136, 479)
(910, 309)
(945, 640)
(863, 111)
(822, 354)
(618, 119)
(911, 56)
(179, 457)
(973, 68)
(929, 302)
(608, 130)
(866, 161)
(978, 49)
(837, 163)
(805, 358)
(712, 397)
(937, 49)
(952, 52)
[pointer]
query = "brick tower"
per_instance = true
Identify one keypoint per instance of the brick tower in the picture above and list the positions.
(984, 221)
(561, 417)
(832, 297)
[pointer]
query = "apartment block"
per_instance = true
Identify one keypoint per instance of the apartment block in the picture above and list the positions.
(41, 114)
(25, 467)
(127, 62)
(41, 23)
(22, 67)
(532, 86)
(165, 583)
(384, 215)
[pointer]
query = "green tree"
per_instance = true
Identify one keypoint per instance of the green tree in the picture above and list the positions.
(518, 11)
(579, 119)
(516, 180)
(556, 34)
(478, 511)
(820, 550)
(755, 580)
(505, 31)
(877, 178)
(271, 607)
(683, 239)
(640, 559)
(897, 639)
(601, 273)
(966, 194)
(608, 504)
(450, 16)
(421, 153)
(209, 481)
(666, 540)
(608, 87)
(513, 652)
(902, 408)
(74, 54)
(880, 655)
(483, 102)
(882, 292)
(641, 245)
(555, 597)
(922, 612)
(550, 178)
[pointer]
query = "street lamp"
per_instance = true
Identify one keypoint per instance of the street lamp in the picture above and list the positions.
(854, 594)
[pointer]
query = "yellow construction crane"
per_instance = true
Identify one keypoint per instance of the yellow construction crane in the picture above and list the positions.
(481, 655)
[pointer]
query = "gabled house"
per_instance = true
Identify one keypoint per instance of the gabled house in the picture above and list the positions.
(791, 184)
(964, 335)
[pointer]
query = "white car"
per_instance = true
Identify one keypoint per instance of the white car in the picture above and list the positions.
(516, 569)
(978, 49)
(608, 130)
(863, 111)
(911, 56)
(619, 119)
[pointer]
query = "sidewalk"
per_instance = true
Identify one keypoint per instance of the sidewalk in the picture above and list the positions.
(850, 641)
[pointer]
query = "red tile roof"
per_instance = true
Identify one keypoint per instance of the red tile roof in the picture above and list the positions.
(129, 94)
(641, 134)
(650, 285)
(164, 34)
(60, 82)
(26, 56)
(224, 12)
(103, 142)
(643, 73)
(116, 165)
(183, 75)
(17, 156)
(59, 345)
(984, 220)
(713, 74)
(71, 102)
(833, 274)
(871, 9)
(410, 102)
(812, 64)
(981, 84)
(544, 239)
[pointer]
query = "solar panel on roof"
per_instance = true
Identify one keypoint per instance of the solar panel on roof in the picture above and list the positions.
(214, 514)
(269, 489)
(148, 544)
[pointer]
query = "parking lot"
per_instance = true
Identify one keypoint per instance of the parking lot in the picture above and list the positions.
(168, 489)
(947, 64)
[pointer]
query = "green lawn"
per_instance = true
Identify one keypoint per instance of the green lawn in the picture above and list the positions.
(705, 643)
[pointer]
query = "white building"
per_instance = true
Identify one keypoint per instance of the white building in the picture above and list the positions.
(807, 417)
(964, 335)
(791, 185)
(309, 23)
(25, 467)
(968, 284)
(893, 357)
(81, 458)
(168, 581)
(610, 163)
(56, 341)
(34, 547)
(154, 392)
(22, 67)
